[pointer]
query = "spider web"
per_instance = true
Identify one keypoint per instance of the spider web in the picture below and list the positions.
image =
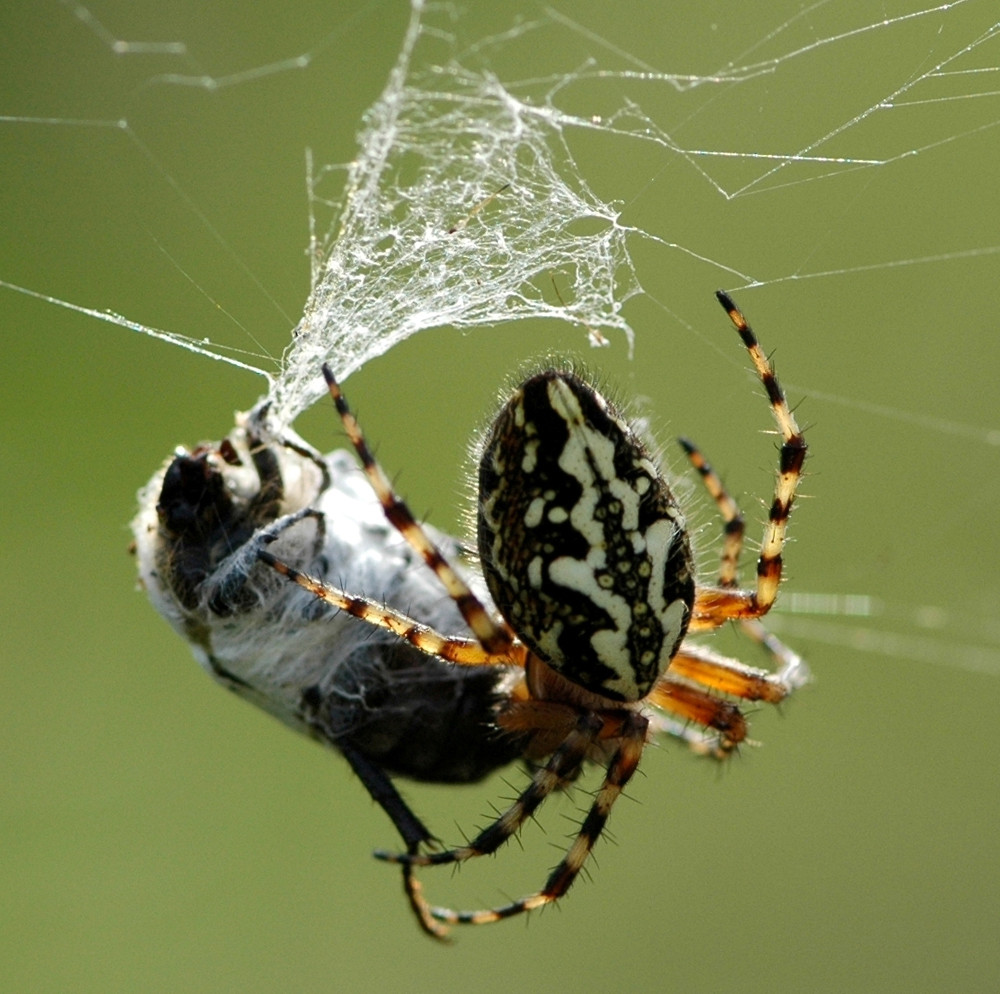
(831, 163)
(469, 200)
(465, 198)
(465, 205)
(461, 201)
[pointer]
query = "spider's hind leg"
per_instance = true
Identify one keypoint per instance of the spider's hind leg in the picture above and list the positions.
(631, 732)
(563, 765)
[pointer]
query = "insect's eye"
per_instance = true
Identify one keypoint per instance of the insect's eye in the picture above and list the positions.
(582, 544)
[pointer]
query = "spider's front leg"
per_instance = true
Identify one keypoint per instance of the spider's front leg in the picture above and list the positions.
(495, 636)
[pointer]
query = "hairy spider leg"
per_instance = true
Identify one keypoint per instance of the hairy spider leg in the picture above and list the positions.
(630, 731)
(420, 906)
(733, 525)
(792, 670)
(563, 765)
(494, 635)
(463, 651)
(716, 605)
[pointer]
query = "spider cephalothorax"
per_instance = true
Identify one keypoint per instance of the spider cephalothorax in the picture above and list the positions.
(586, 555)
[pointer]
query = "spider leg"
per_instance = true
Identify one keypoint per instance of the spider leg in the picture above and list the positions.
(715, 605)
(698, 674)
(465, 651)
(792, 670)
(494, 635)
(423, 911)
(563, 765)
(710, 669)
(700, 741)
(733, 526)
(695, 705)
(619, 771)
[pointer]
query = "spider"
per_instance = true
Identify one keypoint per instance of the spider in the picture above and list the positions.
(587, 558)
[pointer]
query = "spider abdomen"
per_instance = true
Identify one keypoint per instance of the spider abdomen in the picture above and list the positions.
(583, 546)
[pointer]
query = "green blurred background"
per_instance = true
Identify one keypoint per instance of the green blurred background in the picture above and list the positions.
(159, 835)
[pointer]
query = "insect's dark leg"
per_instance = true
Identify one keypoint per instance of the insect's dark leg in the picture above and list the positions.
(410, 827)
(383, 792)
